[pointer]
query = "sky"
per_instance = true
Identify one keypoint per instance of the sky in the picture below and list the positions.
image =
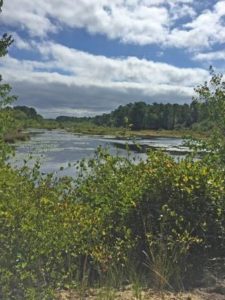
(87, 57)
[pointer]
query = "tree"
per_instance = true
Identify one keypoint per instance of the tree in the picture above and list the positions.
(5, 89)
(5, 42)
(6, 39)
(212, 95)
(138, 115)
(5, 97)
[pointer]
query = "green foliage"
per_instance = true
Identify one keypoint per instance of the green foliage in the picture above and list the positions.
(6, 121)
(142, 116)
(212, 95)
(29, 112)
(6, 39)
(155, 116)
(5, 98)
(5, 42)
(55, 233)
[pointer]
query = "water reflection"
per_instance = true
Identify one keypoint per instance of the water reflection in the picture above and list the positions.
(57, 148)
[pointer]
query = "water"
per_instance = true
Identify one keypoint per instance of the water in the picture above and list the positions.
(57, 148)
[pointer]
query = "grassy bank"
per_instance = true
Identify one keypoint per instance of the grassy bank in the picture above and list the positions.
(168, 133)
(16, 135)
(92, 129)
(28, 118)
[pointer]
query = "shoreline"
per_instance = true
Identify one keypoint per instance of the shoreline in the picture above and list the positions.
(16, 136)
(141, 134)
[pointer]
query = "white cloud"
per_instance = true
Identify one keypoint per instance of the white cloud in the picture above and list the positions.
(173, 23)
(65, 78)
(59, 98)
(89, 68)
(68, 78)
(204, 31)
(134, 21)
(28, 15)
(210, 56)
(21, 43)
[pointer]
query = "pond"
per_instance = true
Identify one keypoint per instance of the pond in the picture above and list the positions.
(57, 148)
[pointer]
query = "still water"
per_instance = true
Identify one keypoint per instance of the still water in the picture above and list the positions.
(57, 149)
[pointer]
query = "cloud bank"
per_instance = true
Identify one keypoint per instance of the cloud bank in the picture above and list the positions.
(58, 79)
(174, 23)
(83, 82)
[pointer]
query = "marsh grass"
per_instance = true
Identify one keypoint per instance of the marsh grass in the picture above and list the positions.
(164, 267)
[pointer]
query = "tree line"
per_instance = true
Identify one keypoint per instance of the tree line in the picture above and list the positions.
(140, 115)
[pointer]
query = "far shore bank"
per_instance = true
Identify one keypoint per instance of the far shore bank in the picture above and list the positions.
(106, 132)
(15, 136)
(120, 133)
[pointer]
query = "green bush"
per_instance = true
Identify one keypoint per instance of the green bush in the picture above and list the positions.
(56, 233)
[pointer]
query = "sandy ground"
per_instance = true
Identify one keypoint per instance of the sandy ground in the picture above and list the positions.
(132, 294)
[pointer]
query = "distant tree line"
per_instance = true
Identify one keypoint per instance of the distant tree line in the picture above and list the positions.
(24, 112)
(140, 115)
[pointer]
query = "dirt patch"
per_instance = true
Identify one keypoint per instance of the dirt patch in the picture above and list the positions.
(132, 294)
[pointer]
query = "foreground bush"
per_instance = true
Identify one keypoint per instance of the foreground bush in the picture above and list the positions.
(162, 215)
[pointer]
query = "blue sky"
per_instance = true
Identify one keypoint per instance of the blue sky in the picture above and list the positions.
(86, 57)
